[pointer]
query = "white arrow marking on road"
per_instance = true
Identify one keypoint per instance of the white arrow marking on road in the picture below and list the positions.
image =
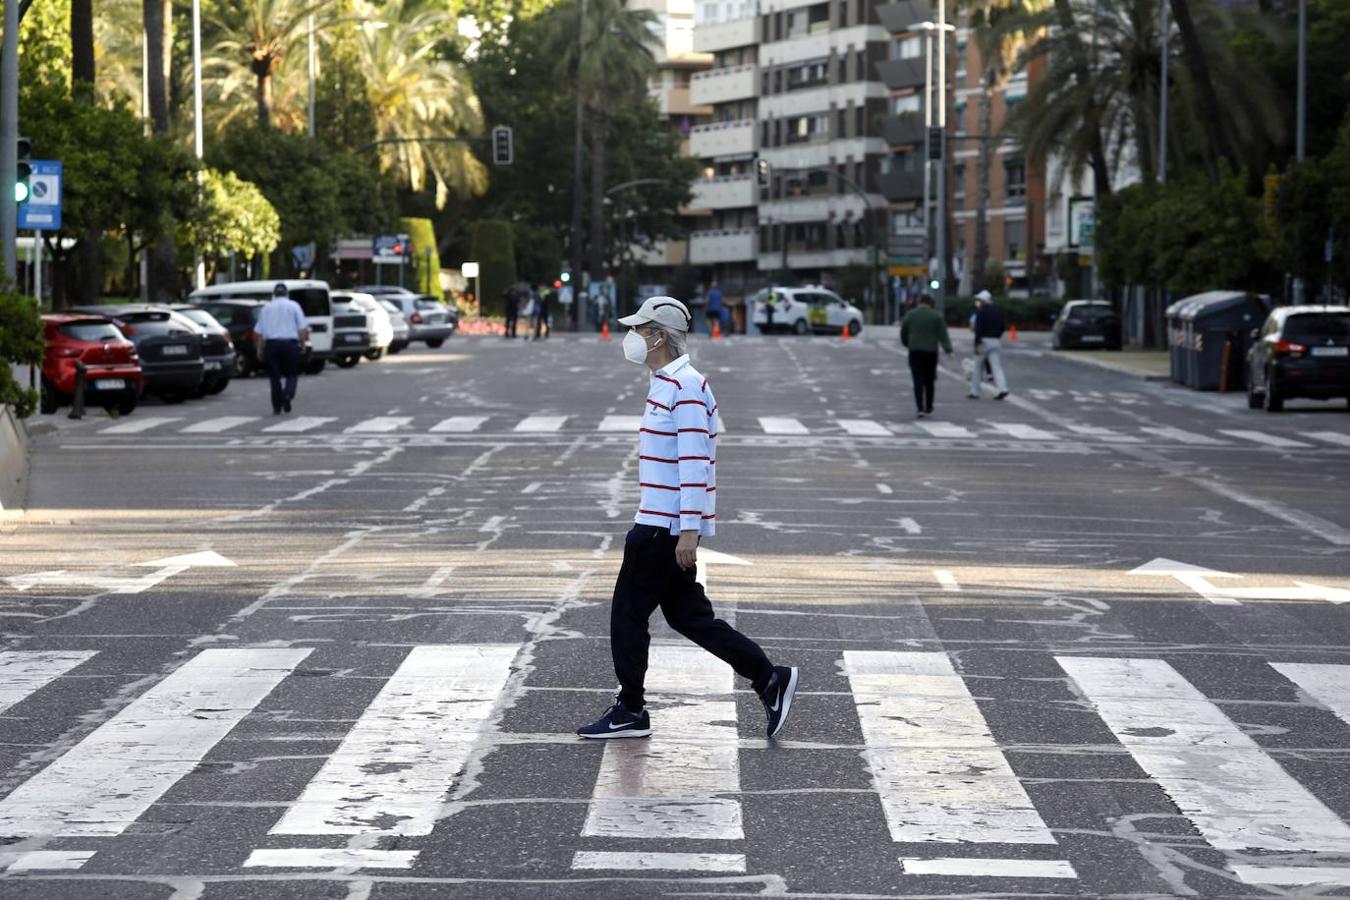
(206, 559)
(1198, 578)
(705, 557)
(166, 568)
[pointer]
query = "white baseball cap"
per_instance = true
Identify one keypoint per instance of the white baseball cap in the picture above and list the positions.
(984, 297)
(665, 311)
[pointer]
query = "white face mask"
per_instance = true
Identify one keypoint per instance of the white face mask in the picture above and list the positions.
(635, 348)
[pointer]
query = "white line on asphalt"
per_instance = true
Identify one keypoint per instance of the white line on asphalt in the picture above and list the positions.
(106, 781)
(984, 867)
(380, 425)
(459, 424)
(640, 861)
(620, 423)
(217, 425)
(494, 523)
(884, 489)
(541, 423)
(671, 785)
(1185, 437)
(1023, 432)
(1223, 781)
(1306, 875)
(299, 424)
(136, 426)
(24, 671)
(939, 773)
(1315, 525)
(532, 487)
(946, 430)
(392, 770)
(342, 858)
(1326, 683)
(436, 579)
(947, 580)
(909, 525)
(1260, 437)
(1106, 434)
(45, 860)
(1331, 437)
(864, 427)
(781, 425)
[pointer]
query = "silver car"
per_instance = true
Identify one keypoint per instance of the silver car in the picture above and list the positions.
(428, 319)
(402, 331)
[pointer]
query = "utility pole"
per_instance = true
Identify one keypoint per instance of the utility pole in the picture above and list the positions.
(197, 143)
(1165, 35)
(943, 270)
(9, 137)
(927, 127)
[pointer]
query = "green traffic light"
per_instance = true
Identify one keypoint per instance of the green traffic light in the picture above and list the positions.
(20, 191)
(934, 284)
(566, 277)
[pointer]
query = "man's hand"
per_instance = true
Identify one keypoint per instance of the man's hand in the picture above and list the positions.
(686, 549)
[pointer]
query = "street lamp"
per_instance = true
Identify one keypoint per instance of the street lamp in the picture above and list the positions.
(940, 30)
(313, 54)
(930, 30)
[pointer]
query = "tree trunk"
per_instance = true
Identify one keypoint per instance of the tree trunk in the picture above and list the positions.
(599, 134)
(1083, 74)
(264, 94)
(82, 50)
(984, 163)
(1210, 112)
(158, 46)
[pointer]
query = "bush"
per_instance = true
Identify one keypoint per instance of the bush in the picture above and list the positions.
(492, 246)
(20, 342)
(422, 235)
(1027, 313)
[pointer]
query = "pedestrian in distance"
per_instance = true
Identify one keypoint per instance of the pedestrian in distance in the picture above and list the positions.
(512, 297)
(717, 310)
(923, 331)
(677, 454)
(989, 326)
(282, 332)
(541, 328)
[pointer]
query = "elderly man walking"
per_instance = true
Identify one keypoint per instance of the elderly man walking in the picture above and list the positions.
(923, 331)
(988, 346)
(282, 332)
(677, 458)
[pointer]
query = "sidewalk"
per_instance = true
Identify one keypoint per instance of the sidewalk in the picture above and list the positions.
(1150, 365)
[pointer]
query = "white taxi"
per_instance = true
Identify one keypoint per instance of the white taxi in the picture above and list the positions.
(804, 310)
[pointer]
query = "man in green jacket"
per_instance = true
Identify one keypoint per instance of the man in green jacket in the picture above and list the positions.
(923, 331)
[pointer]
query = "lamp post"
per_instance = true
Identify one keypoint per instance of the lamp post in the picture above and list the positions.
(9, 136)
(200, 271)
(938, 31)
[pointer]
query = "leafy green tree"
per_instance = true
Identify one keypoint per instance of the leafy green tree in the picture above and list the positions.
(257, 38)
(493, 247)
(20, 342)
(1312, 206)
(232, 217)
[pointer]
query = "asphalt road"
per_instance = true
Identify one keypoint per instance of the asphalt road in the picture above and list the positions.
(342, 653)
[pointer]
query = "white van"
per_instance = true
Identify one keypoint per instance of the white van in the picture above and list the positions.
(313, 298)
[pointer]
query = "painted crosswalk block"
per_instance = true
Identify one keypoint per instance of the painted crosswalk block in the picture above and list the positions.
(299, 425)
(24, 671)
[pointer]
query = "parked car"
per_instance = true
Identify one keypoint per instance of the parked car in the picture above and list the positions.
(1086, 323)
(313, 298)
(112, 368)
(169, 347)
(238, 317)
(805, 310)
(398, 323)
(378, 321)
(351, 329)
(218, 353)
(429, 320)
(1301, 351)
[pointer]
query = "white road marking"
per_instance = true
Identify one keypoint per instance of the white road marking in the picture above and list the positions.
(984, 867)
(1223, 781)
(939, 772)
(299, 424)
(24, 671)
(435, 580)
(640, 861)
(864, 427)
(669, 785)
(1293, 874)
(166, 568)
(217, 425)
(947, 580)
(620, 423)
(1194, 577)
(106, 781)
(459, 424)
(541, 423)
(400, 758)
(884, 489)
(1326, 683)
(532, 487)
(204, 559)
(1314, 525)
(379, 425)
(138, 425)
(341, 858)
(782, 425)
(1260, 437)
(45, 860)
(1331, 437)
(1185, 437)
(1105, 434)
(493, 523)
(909, 526)
(1023, 432)
(946, 430)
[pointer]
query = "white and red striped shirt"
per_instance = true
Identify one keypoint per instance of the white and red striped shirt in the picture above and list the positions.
(677, 452)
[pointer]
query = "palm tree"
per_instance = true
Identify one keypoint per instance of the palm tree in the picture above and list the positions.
(82, 49)
(257, 37)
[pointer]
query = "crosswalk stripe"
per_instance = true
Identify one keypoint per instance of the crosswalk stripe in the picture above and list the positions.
(1105, 434)
(541, 423)
(1331, 437)
(620, 423)
(1293, 875)
(863, 427)
(217, 425)
(1260, 437)
(782, 425)
(332, 858)
(669, 786)
(1236, 795)
(645, 861)
(1185, 437)
(946, 430)
(380, 425)
(939, 772)
(45, 860)
(391, 771)
(459, 424)
(1328, 684)
(106, 781)
(24, 671)
(138, 425)
(299, 424)
(1023, 432)
(988, 868)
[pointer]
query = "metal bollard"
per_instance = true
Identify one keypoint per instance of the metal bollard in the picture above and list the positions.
(77, 404)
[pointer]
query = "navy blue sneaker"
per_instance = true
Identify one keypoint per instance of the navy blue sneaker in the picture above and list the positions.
(618, 722)
(777, 697)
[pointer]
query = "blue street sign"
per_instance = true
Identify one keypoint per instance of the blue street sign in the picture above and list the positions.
(42, 210)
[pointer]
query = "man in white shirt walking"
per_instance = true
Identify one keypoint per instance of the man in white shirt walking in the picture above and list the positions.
(282, 331)
(677, 459)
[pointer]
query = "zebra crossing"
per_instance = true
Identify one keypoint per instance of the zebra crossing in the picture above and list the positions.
(787, 426)
(944, 784)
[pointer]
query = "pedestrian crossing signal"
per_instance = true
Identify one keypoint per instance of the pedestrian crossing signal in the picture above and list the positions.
(503, 146)
(24, 171)
(934, 284)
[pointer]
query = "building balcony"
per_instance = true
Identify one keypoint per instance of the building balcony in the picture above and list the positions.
(898, 18)
(723, 245)
(726, 35)
(901, 185)
(724, 85)
(726, 192)
(675, 101)
(723, 139)
(802, 257)
(902, 73)
(664, 253)
(903, 130)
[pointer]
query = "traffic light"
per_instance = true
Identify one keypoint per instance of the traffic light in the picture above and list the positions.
(24, 171)
(762, 172)
(935, 143)
(503, 146)
(565, 277)
(935, 284)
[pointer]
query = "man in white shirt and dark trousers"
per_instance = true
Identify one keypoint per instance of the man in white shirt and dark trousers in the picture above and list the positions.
(677, 466)
(282, 331)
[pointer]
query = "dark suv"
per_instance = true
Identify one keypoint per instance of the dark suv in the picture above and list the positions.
(170, 347)
(1302, 351)
(1086, 323)
(238, 317)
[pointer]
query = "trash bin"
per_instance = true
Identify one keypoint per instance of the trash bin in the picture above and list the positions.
(1214, 329)
(1177, 340)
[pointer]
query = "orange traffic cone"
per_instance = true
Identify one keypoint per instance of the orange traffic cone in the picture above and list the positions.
(1012, 333)
(604, 330)
(846, 333)
(716, 329)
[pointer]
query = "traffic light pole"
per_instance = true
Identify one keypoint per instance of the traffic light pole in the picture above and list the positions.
(9, 137)
(941, 240)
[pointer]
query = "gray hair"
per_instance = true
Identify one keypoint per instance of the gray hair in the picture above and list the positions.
(678, 341)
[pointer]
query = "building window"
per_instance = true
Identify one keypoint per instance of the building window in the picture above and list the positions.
(778, 81)
(862, 65)
(907, 47)
(764, 134)
(1014, 236)
(843, 124)
(1014, 179)
(804, 129)
(843, 68)
(903, 220)
(909, 103)
(959, 186)
(862, 122)
(808, 74)
(843, 13)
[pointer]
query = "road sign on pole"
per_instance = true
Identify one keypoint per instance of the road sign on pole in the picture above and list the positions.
(42, 210)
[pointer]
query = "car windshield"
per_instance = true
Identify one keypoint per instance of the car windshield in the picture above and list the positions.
(201, 317)
(1318, 328)
(390, 305)
(1091, 312)
(93, 332)
(427, 304)
(314, 301)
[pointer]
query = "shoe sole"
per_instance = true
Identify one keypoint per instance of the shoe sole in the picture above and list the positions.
(616, 734)
(787, 702)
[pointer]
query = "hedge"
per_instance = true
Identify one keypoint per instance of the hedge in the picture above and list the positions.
(1027, 313)
(422, 236)
(492, 246)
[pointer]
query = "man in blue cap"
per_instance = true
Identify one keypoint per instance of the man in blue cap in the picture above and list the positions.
(282, 332)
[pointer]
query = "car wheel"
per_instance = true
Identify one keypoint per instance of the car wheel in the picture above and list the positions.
(346, 362)
(49, 401)
(800, 327)
(435, 342)
(173, 396)
(126, 406)
(396, 348)
(374, 355)
(1274, 402)
(852, 327)
(315, 368)
(219, 386)
(241, 366)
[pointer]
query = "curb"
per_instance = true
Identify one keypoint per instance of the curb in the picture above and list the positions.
(13, 463)
(1118, 369)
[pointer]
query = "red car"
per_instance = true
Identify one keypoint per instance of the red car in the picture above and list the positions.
(112, 376)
